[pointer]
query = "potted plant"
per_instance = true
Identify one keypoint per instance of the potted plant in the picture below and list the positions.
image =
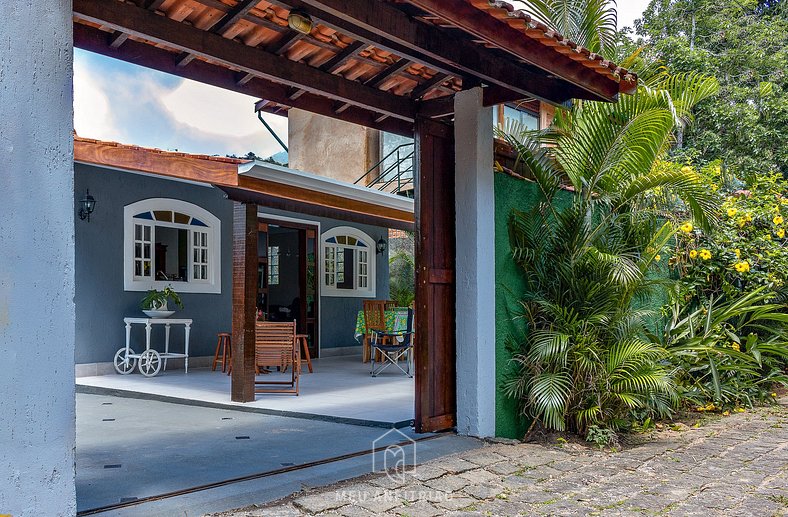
(155, 304)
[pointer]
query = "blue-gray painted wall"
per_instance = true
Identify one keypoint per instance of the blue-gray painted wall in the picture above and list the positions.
(102, 303)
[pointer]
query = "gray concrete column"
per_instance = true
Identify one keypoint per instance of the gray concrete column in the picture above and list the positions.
(37, 415)
(475, 204)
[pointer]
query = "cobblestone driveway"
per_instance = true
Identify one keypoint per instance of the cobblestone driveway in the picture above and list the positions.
(737, 465)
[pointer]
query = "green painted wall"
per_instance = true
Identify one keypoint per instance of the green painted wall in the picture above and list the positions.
(510, 193)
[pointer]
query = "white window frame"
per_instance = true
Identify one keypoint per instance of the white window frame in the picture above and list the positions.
(211, 285)
(356, 292)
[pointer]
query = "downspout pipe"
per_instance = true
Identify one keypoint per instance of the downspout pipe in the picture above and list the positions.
(273, 133)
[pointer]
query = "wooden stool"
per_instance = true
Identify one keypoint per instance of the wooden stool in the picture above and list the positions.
(227, 352)
(301, 338)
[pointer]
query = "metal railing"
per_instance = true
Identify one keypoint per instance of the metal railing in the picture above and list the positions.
(396, 177)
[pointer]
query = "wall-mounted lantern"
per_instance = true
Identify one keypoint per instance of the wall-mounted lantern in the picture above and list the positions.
(87, 205)
(299, 22)
(381, 246)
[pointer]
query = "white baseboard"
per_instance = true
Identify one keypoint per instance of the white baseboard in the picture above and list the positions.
(92, 369)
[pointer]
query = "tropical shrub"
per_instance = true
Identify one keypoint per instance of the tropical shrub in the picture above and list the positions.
(402, 286)
(586, 358)
(728, 353)
(746, 251)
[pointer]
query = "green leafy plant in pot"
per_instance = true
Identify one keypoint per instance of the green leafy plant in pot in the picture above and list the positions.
(156, 300)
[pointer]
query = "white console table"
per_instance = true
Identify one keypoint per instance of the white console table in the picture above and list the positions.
(150, 361)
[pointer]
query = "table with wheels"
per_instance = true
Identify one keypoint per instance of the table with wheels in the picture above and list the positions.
(150, 361)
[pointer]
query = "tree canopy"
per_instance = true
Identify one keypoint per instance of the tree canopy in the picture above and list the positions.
(744, 44)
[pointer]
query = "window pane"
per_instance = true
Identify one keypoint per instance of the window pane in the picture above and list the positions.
(163, 215)
(147, 233)
(146, 247)
(204, 256)
(204, 272)
(137, 268)
(204, 239)
(181, 218)
(137, 232)
(138, 250)
(196, 271)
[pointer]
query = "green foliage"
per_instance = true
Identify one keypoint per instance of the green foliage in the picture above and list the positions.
(155, 298)
(728, 354)
(585, 358)
(601, 436)
(590, 23)
(743, 44)
(748, 247)
(402, 286)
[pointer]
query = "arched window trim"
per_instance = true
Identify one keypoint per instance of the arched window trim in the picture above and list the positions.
(212, 230)
(328, 288)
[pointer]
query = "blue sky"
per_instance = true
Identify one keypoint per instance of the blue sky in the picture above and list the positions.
(118, 101)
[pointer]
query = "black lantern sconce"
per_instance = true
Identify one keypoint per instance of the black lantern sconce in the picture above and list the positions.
(88, 204)
(381, 246)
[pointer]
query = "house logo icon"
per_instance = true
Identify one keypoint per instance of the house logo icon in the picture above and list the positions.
(396, 459)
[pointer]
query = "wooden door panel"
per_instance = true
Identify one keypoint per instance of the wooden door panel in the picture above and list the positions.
(435, 278)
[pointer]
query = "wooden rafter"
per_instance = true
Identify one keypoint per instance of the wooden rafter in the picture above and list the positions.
(465, 16)
(428, 85)
(144, 24)
(349, 52)
(95, 40)
(388, 28)
(395, 68)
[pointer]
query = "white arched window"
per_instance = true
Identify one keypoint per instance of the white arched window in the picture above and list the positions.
(171, 242)
(348, 263)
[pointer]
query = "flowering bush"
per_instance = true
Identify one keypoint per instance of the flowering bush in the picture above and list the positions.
(746, 250)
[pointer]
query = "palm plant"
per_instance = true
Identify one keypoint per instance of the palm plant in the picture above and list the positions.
(586, 358)
(590, 23)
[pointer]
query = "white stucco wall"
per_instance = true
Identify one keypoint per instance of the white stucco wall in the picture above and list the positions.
(37, 425)
(475, 206)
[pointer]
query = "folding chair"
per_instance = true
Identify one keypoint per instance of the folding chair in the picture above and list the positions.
(374, 319)
(276, 346)
(392, 347)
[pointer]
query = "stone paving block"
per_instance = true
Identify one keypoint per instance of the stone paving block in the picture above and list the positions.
(448, 484)
(426, 472)
(479, 476)
(456, 502)
(456, 465)
(418, 509)
(351, 511)
(321, 502)
(483, 491)
(503, 468)
(483, 457)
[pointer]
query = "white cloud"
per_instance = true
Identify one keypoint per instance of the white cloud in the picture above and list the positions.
(629, 11)
(130, 104)
(92, 115)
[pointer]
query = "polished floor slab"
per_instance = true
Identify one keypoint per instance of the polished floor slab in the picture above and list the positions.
(341, 389)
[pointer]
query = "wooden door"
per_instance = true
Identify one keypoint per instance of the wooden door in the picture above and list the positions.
(436, 407)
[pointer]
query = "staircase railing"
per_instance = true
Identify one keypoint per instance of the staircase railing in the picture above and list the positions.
(396, 177)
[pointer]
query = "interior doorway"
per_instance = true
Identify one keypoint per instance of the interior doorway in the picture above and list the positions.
(287, 287)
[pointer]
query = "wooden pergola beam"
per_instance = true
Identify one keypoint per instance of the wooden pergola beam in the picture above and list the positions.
(388, 28)
(465, 16)
(349, 52)
(147, 25)
(95, 40)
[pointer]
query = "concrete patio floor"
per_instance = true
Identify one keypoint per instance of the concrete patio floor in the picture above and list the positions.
(134, 451)
(340, 390)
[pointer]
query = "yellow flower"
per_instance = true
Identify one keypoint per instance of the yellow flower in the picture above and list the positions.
(736, 346)
(726, 413)
(732, 212)
(784, 201)
(778, 219)
(693, 254)
(705, 254)
(739, 410)
(780, 233)
(657, 258)
(774, 395)
(742, 267)
(768, 237)
(737, 251)
(748, 218)
(742, 222)
(686, 227)
(686, 169)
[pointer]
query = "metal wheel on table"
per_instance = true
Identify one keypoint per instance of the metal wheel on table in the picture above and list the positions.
(123, 363)
(150, 363)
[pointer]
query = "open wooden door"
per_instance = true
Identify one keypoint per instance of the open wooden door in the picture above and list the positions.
(436, 399)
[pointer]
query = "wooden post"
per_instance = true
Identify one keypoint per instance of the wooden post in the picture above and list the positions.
(244, 300)
(435, 277)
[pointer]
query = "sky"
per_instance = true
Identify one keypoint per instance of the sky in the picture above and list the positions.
(121, 102)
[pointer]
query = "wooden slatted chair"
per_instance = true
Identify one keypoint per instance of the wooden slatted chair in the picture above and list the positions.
(374, 320)
(276, 346)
